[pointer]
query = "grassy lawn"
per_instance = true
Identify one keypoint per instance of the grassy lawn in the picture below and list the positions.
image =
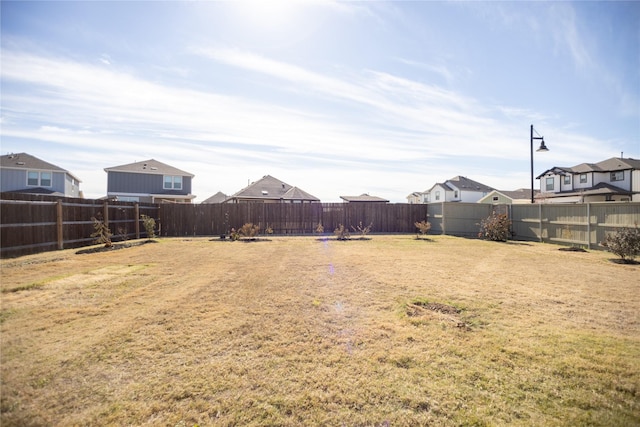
(297, 331)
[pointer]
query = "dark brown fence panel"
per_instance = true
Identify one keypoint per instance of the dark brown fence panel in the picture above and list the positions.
(36, 223)
(27, 227)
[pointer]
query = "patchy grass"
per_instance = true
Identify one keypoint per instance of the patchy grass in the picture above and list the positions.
(306, 332)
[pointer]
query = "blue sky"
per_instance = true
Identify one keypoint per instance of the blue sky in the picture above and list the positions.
(336, 98)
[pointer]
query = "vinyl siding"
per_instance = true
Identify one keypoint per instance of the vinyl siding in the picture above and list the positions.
(139, 183)
(16, 179)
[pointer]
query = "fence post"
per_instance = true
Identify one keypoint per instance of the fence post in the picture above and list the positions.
(540, 222)
(105, 212)
(588, 225)
(59, 224)
(444, 229)
(136, 215)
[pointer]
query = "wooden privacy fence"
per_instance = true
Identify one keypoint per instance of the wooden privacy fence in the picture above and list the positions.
(30, 226)
(584, 224)
(287, 218)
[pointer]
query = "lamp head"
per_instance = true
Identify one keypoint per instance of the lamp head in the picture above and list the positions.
(542, 146)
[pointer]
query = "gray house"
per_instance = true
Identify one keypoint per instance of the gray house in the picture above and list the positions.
(24, 173)
(149, 181)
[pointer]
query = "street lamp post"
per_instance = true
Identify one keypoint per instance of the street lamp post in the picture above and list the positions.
(541, 148)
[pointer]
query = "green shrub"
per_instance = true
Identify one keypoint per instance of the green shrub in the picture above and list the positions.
(496, 227)
(149, 226)
(625, 243)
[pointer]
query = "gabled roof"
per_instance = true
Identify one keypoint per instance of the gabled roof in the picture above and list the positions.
(150, 167)
(270, 188)
(609, 165)
(219, 197)
(364, 198)
(466, 184)
(617, 164)
(27, 161)
(513, 195)
(294, 193)
(441, 184)
(462, 183)
(519, 194)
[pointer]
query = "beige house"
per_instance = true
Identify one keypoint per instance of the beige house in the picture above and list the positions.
(504, 197)
(271, 190)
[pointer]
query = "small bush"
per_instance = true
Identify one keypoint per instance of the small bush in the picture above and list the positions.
(249, 230)
(234, 235)
(342, 233)
(423, 227)
(625, 243)
(496, 227)
(319, 228)
(268, 230)
(102, 233)
(149, 226)
(362, 229)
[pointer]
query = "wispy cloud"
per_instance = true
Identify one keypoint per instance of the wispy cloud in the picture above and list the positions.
(381, 122)
(564, 27)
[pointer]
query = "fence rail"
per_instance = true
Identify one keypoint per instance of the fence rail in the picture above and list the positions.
(49, 223)
(30, 224)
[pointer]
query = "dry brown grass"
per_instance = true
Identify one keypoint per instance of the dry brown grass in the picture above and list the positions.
(295, 331)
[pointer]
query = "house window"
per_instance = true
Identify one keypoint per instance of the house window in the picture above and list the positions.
(437, 195)
(172, 182)
(617, 176)
(495, 198)
(567, 179)
(455, 194)
(549, 184)
(42, 179)
(583, 178)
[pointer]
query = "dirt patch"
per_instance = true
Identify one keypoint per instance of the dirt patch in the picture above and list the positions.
(573, 249)
(113, 247)
(440, 308)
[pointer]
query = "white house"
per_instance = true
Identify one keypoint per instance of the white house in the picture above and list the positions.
(456, 189)
(614, 179)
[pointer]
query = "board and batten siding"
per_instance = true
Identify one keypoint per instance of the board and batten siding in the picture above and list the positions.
(16, 179)
(142, 183)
